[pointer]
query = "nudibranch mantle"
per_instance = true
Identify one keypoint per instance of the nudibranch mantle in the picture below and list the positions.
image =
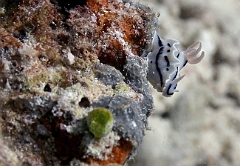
(165, 62)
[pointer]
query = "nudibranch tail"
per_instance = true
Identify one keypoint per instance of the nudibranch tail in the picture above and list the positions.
(178, 79)
(165, 62)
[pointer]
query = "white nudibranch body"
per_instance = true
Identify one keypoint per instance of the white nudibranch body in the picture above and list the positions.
(165, 62)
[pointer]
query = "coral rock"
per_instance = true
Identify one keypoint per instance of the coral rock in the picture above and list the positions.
(60, 62)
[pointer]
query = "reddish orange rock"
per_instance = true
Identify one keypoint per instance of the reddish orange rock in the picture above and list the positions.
(119, 154)
(7, 39)
(121, 30)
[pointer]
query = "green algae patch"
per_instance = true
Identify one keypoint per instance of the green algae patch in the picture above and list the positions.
(100, 122)
(121, 88)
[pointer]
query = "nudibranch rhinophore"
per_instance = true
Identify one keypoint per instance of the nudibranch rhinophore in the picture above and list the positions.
(165, 62)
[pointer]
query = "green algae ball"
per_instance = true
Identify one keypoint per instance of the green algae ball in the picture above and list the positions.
(100, 122)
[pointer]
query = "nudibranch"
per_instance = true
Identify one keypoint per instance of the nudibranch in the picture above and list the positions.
(165, 62)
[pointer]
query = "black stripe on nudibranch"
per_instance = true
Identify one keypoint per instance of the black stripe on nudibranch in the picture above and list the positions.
(169, 45)
(175, 86)
(159, 42)
(178, 55)
(157, 66)
(169, 87)
(185, 63)
(166, 59)
(175, 75)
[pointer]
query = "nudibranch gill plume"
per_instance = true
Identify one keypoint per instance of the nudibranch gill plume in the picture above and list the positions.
(165, 62)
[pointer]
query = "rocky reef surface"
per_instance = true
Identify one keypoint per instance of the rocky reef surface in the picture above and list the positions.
(61, 60)
(199, 126)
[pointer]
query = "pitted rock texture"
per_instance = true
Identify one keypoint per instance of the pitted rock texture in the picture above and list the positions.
(58, 62)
